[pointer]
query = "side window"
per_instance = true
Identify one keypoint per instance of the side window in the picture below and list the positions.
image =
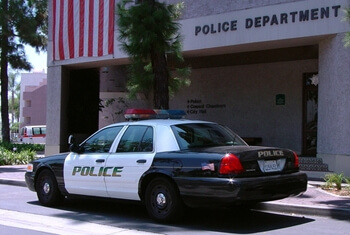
(137, 139)
(102, 141)
(146, 144)
(36, 131)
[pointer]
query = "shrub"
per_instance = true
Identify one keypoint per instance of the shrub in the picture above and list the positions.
(347, 181)
(334, 180)
(8, 157)
(22, 147)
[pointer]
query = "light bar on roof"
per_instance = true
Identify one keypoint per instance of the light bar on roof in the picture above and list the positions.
(176, 114)
(142, 114)
(135, 114)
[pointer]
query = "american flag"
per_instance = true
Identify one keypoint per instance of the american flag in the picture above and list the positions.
(208, 166)
(82, 28)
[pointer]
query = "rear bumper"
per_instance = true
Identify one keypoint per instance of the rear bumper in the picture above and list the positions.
(223, 191)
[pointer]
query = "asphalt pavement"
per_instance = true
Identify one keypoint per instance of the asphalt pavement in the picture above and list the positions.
(314, 201)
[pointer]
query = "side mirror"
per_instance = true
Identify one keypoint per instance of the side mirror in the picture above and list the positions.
(73, 147)
(71, 139)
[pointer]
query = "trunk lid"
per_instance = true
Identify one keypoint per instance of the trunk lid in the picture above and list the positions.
(261, 161)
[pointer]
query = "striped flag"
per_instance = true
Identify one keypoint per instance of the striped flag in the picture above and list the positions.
(208, 166)
(82, 28)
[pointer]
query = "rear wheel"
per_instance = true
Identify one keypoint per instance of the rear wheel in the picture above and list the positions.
(47, 189)
(163, 201)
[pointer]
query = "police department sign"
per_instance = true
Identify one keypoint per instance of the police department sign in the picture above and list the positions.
(292, 17)
(302, 19)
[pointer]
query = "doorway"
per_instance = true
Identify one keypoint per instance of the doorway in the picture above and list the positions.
(310, 112)
(83, 106)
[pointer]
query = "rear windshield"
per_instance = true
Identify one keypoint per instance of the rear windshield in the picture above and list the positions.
(197, 135)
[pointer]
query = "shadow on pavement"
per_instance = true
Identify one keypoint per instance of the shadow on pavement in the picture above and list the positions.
(131, 215)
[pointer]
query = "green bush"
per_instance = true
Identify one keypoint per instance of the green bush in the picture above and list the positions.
(23, 147)
(347, 181)
(334, 180)
(8, 157)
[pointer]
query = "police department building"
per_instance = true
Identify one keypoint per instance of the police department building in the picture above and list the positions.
(276, 72)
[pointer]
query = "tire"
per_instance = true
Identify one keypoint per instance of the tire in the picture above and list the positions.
(47, 189)
(163, 201)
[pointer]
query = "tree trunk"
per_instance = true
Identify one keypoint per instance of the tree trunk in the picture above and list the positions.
(161, 81)
(12, 107)
(4, 76)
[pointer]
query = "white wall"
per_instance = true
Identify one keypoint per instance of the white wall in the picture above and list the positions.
(197, 8)
(334, 104)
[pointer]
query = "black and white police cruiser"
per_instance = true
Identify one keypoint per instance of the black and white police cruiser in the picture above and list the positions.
(169, 165)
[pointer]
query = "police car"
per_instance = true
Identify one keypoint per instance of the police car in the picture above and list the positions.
(169, 165)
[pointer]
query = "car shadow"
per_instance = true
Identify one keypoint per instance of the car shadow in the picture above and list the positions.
(131, 215)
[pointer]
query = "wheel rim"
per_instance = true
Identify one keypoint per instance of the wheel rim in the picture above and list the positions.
(161, 200)
(46, 188)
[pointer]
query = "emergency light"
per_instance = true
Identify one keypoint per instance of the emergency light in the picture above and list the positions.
(142, 114)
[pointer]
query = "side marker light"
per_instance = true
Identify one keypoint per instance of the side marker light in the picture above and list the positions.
(29, 168)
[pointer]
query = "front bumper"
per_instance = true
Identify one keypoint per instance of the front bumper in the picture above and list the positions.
(29, 178)
(225, 191)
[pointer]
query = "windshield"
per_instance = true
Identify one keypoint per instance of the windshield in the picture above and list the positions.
(197, 135)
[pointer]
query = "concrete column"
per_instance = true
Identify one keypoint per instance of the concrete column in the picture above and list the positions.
(334, 105)
(55, 111)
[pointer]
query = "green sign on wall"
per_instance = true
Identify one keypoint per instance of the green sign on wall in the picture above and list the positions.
(280, 99)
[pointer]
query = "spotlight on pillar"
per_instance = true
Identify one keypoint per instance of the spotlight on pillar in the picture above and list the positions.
(104, 69)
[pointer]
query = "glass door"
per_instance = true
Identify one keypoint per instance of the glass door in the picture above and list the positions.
(310, 108)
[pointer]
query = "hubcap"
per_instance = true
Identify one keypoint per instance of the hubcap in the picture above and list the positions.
(161, 200)
(46, 188)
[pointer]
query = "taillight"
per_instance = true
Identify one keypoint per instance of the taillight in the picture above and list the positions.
(230, 164)
(25, 133)
(296, 160)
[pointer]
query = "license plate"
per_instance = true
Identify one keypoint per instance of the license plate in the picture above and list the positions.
(270, 166)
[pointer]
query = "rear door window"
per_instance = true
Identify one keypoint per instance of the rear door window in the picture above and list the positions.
(137, 139)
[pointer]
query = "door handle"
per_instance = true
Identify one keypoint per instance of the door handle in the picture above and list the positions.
(100, 160)
(141, 161)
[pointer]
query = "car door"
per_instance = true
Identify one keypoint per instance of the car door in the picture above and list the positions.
(134, 155)
(84, 172)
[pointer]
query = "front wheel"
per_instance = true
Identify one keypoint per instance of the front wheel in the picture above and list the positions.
(47, 189)
(163, 201)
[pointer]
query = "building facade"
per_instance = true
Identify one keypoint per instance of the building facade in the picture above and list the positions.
(33, 99)
(274, 71)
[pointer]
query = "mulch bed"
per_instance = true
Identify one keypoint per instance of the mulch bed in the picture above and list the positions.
(344, 192)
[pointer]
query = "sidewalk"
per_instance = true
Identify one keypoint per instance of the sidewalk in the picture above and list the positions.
(313, 202)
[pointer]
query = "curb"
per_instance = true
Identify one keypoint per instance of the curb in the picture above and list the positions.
(13, 182)
(338, 213)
